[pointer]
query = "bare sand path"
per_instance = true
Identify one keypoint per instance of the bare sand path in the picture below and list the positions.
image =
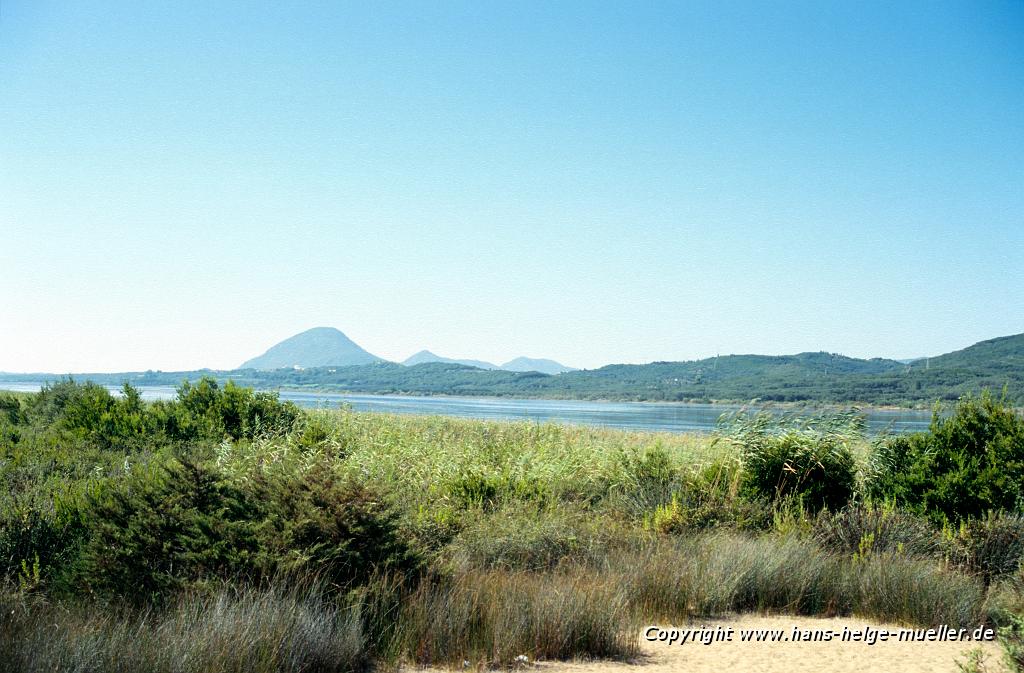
(790, 657)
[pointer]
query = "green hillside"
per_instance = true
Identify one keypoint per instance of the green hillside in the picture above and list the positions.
(806, 377)
(996, 364)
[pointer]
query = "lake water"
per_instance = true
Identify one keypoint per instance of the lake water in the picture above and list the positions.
(664, 417)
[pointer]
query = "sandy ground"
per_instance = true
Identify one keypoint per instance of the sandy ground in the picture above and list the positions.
(789, 657)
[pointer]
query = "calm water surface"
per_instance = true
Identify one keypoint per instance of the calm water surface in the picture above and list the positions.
(662, 417)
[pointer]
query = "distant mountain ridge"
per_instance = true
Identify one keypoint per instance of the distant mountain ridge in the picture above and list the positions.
(317, 347)
(521, 364)
(995, 364)
(427, 356)
(541, 365)
(329, 347)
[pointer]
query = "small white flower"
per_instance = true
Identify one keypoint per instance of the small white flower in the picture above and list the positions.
(522, 659)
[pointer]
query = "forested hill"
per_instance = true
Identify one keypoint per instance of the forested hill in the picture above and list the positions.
(996, 364)
(994, 356)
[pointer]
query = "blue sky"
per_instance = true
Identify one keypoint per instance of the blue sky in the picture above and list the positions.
(183, 184)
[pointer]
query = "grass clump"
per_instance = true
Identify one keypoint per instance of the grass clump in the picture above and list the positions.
(808, 459)
(726, 572)
(863, 529)
(531, 537)
(991, 547)
(237, 629)
(492, 618)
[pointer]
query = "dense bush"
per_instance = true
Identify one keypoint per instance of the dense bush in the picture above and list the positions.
(802, 459)
(232, 411)
(165, 529)
(965, 466)
(202, 411)
(182, 525)
(11, 412)
(36, 543)
(90, 412)
(320, 522)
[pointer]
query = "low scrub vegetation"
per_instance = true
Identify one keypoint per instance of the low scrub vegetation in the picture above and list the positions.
(226, 530)
(967, 465)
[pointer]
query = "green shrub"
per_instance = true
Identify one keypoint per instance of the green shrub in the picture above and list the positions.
(30, 535)
(318, 431)
(10, 409)
(164, 529)
(965, 466)
(431, 528)
(320, 522)
(182, 525)
(474, 489)
(709, 498)
(646, 479)
(232, 411)
(1011, 638)
(809, 460)
(695, 510)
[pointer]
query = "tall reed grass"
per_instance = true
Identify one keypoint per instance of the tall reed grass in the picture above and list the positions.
(485, 618)
(726, 573)
(235, 631)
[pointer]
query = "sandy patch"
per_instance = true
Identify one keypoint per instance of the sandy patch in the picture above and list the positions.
(789, 656)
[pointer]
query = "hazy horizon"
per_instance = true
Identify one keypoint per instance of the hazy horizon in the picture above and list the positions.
(499, 363)
(185, 185)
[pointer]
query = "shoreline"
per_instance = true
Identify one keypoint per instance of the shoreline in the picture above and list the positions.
(754, 404)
